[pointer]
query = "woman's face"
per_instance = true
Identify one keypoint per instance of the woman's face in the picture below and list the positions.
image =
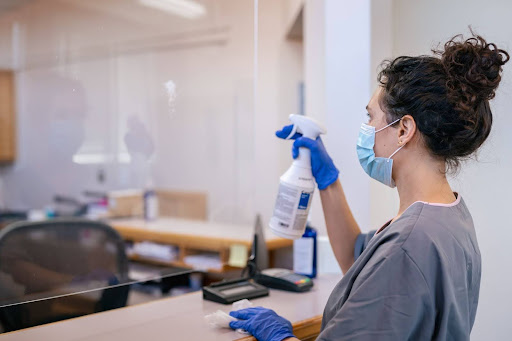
(386, 141)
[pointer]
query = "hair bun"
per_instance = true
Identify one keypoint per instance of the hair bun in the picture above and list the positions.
(474, 70)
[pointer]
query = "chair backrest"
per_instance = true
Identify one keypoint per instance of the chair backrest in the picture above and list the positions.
(59, 257)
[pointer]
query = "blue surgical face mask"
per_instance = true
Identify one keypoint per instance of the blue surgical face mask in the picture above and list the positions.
(379, 168)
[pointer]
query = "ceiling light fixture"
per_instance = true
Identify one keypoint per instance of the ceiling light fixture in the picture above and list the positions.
(185, 8)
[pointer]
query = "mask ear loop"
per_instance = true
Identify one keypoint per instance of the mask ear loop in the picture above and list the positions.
(396, 151)
(388, 125)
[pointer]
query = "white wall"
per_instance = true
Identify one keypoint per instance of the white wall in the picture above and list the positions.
(345, 42)
(337, 90)
(384, 201)
(337, 76)
(485, 185)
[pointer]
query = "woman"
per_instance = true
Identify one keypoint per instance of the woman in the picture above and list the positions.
(418, 276)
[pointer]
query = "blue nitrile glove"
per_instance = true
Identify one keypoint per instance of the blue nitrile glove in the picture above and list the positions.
(264, 324)
(324, 170)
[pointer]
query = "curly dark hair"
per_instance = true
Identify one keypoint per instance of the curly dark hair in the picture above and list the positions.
(448, 96)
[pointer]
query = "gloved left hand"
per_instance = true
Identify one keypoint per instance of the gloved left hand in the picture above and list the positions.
(264, 324)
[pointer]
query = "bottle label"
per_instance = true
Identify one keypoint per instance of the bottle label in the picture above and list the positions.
(292, 207)
(304, 201)
(303, 250)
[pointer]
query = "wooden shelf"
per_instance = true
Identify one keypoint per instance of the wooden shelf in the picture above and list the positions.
(7, 118)
(194, 237)
(180, 264)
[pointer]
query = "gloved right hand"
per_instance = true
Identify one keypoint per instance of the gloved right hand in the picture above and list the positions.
(264, 324)
(322, 166)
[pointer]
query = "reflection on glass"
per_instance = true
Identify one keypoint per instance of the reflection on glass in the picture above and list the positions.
(55, 258)
(59, 269)
(115, 98)
(118, 95)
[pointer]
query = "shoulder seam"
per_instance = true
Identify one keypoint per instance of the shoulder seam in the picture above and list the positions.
(417, 216)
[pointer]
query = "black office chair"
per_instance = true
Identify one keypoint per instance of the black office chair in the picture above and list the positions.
(57, 258)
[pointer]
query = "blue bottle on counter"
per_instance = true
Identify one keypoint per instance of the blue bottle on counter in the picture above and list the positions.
(305, 252)
(150, 205)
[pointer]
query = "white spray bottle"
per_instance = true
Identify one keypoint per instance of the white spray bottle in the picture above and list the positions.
(296, 185)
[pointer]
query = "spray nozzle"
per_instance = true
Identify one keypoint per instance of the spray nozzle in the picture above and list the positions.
(307, 126)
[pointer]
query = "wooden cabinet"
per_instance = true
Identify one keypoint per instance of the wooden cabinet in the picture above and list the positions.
(7, 117)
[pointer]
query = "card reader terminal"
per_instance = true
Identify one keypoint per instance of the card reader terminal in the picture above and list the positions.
(227, 292)
(284, 279)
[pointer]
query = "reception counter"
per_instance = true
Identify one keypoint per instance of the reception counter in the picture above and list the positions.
(182, 318)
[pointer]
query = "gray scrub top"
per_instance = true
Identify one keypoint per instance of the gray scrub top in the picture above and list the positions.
(418, 279)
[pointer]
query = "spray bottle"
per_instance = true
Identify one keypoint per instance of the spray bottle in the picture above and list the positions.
(296, 185)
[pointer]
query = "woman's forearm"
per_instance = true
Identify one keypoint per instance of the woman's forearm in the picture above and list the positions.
(342, 228)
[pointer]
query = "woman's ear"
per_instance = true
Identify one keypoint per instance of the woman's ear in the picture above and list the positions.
(406, 130)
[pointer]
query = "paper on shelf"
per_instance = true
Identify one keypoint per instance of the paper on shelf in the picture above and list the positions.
(238, 255)
(157, 251)
(204, 261)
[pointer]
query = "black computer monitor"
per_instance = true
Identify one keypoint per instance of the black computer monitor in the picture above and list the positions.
(259, 253)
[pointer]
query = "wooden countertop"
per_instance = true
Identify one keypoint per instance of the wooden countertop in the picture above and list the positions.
(195, 233)
(181, 318)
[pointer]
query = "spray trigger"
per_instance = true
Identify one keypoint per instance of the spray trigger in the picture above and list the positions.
(294, 130)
